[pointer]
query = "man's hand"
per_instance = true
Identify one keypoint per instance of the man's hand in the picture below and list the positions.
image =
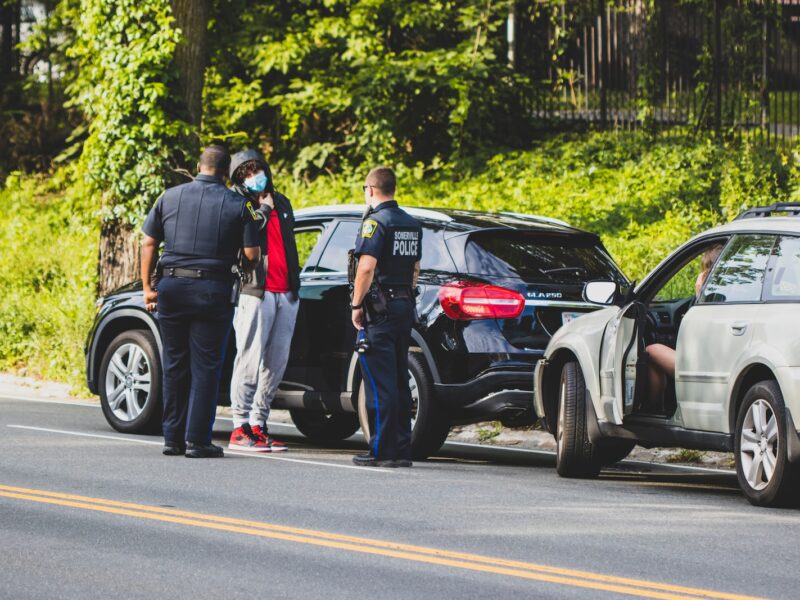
(266, 200)
(150, 299)
(358, 318)
(149, 256)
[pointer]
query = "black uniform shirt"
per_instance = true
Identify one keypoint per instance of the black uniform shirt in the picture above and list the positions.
(203, 225)
(393, 237)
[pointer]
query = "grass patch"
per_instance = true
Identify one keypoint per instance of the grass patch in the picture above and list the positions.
(488, 434)
(686, 456)
(48, 253)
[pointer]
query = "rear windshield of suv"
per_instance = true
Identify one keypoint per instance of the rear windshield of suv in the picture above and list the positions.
(536, 258)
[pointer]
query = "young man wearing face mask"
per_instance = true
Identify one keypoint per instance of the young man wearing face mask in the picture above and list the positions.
(265, 318)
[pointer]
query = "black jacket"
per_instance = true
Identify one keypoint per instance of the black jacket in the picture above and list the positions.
(255, 280)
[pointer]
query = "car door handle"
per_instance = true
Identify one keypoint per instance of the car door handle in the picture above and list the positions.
(738, 328)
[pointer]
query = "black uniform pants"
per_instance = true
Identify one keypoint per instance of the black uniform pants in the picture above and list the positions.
(384, 368)
(195, 317)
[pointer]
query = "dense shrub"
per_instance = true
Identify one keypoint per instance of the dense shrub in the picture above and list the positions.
(48, 254)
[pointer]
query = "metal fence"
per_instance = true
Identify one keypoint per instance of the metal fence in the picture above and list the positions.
(723, 65)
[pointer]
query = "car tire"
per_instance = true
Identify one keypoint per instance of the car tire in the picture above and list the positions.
(321, 427)
(430, 426)
(609, 452)
(760, 445)
(574, 456)
(130, 383)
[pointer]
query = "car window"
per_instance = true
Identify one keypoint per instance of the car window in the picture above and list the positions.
(537, 258)
(435, 256)
(334, 257)
(306, 239)
(682, 284)
(739, 274)
(784, 283)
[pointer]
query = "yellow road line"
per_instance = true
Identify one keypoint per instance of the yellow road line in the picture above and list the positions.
(474, 562)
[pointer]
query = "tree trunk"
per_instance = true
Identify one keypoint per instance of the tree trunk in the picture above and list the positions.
(191, 17)
(118, 258)
(119, 253)
(10, 22)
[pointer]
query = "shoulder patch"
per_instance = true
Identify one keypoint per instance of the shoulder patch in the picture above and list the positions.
(368, 228)
(253, 214)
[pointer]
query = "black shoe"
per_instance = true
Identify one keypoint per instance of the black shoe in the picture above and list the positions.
(203, 451)
(173, 449)
(403, 462)
(367, 460)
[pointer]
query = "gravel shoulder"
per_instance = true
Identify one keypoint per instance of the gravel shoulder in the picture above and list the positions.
(490, 434)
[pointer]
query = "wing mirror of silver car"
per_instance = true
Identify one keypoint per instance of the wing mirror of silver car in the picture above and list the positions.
(600, 292)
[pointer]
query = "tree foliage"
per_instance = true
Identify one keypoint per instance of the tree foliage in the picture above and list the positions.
(334, 82)
(123, 52)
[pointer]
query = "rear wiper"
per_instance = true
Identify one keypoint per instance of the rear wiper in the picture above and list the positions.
(564, 270)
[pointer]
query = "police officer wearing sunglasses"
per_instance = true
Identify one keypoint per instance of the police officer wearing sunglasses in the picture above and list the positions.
(388, 249)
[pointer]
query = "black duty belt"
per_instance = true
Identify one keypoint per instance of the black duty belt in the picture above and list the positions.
(394, 292)
(197, 274)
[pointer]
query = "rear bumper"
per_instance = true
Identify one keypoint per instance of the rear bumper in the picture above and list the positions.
(503, 395)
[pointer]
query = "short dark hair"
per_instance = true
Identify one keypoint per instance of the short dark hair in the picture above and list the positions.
(384, 179)
(216, 157)
(246, 169)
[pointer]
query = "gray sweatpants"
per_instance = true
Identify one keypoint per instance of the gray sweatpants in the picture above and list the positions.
(263, 338)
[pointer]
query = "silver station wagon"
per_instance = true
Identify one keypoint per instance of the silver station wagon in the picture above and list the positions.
(704, 354)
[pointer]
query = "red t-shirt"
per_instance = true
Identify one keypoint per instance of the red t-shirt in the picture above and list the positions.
(277, 271)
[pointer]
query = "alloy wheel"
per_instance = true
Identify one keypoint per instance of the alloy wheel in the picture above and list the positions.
(412, 385)
(128, 382)
(362, 404)
(759, 444)
(560, 425)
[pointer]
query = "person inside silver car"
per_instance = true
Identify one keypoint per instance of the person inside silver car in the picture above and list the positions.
(662, 357)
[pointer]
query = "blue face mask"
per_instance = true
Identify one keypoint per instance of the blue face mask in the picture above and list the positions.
(256, 183)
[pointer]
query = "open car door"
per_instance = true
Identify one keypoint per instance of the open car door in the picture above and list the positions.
(624, 370)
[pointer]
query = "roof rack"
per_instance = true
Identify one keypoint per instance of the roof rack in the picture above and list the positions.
(792, 209)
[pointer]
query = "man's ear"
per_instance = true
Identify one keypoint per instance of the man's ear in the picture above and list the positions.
(198, 167)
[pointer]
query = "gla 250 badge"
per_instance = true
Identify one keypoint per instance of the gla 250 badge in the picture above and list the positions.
(545, 295)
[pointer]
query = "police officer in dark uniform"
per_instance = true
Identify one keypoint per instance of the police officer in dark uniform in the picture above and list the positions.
(388, 249)
(203, 226)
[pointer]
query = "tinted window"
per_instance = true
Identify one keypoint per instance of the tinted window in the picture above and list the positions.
(784, 283)
(435, 256)
(739, 273)
(534, 258)
(334, 257)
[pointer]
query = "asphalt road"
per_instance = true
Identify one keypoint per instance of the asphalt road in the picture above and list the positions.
(86, 512)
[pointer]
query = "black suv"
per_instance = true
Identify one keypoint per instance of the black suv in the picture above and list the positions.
(493, 289)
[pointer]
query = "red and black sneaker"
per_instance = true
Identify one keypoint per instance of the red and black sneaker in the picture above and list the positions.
(244, 438)
(274, 445)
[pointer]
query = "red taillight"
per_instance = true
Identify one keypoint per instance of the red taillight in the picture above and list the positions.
(462, 300)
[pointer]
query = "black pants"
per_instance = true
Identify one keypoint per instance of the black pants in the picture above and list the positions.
(195, 317)
(384, 368)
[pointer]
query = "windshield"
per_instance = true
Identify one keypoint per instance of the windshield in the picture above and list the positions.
(535, 258)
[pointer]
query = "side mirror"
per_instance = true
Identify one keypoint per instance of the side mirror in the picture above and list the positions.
(600, 292)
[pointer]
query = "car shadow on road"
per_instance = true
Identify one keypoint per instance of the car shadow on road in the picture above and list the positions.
(455, 454)
(667, 477)
(452, 453)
